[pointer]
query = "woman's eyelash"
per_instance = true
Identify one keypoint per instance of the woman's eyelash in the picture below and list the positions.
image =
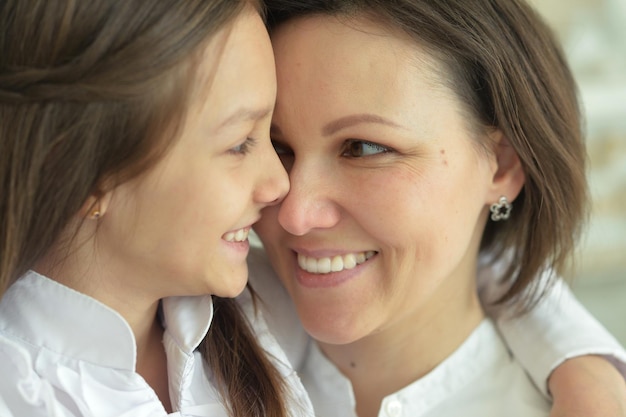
(244, 147)
(355, 148)
(281, 149)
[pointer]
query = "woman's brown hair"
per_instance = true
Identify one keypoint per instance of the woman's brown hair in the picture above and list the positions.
(505, 65)
(91, 95)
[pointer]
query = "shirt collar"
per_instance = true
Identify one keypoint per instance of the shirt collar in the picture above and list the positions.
(187, 319)
(44, 313)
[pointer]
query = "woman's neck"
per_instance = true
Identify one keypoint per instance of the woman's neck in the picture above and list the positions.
(383, 363)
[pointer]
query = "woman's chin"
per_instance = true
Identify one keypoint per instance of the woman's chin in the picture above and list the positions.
(332, 330)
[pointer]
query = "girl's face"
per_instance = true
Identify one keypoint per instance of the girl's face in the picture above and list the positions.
(389, 190)
(182, 227)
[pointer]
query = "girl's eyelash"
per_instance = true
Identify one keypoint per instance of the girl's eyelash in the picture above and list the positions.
(244, 147)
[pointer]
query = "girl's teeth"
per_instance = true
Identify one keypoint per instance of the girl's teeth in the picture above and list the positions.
(335, 264)
(240, 235)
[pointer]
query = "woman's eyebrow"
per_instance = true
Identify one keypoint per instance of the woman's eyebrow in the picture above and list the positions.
(355, 119)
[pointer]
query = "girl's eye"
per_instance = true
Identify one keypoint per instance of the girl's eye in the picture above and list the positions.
(359, 148)
(244, 147)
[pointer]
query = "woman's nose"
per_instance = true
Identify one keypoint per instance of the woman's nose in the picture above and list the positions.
(309, 204)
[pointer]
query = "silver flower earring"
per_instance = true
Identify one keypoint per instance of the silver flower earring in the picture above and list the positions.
(501, 210)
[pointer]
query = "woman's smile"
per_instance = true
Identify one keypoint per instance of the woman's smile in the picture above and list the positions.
(331, 271)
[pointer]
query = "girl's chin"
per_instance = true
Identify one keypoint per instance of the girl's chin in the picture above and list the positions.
(235, 283)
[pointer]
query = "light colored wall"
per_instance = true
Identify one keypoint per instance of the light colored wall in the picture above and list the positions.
(593, 33)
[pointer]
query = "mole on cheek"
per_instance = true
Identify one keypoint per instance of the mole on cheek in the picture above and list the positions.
(443, 157)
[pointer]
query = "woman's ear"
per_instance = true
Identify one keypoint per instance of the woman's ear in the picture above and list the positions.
(508, 178)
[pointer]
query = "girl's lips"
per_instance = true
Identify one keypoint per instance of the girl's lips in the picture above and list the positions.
(237, 241)
(239, 235)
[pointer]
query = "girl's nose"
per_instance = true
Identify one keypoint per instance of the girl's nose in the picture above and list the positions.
(274, 182)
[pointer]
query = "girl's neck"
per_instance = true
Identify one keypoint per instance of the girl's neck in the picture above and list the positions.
(152, 363)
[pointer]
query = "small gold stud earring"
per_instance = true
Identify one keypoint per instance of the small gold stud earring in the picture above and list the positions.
(95, 215)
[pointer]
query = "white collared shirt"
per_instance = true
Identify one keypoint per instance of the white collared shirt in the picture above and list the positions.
(63, 353)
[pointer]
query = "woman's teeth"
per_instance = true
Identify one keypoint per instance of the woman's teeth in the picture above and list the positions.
(240, 235)
(333, 264)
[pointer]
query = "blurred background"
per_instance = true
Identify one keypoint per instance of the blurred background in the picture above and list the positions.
(593, 33)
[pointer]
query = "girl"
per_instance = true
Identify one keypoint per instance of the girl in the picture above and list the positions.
(134, 158)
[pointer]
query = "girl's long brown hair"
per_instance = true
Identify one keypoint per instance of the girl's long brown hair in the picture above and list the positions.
(92, 94)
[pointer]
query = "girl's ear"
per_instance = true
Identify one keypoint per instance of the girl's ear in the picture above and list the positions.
(96, 205)
(509, 177)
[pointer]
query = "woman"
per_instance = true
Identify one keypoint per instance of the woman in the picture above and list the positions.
(420, 137)
(134, 157)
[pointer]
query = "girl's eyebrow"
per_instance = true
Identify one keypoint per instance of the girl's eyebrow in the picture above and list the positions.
(246, 114)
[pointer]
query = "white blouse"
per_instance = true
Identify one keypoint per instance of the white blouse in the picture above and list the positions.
(509, 366)
(64, 354)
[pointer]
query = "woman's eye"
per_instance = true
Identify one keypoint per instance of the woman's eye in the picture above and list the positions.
(359, 148)
(281, 149)
(285, 154)
(244, 147)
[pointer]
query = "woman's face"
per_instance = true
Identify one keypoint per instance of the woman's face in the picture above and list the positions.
(389, 190)
(182, 227)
